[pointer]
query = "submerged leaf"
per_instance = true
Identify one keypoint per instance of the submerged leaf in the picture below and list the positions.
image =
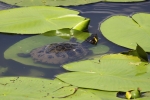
(3, 70)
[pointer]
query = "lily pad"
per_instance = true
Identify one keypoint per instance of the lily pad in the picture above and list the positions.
(128, 31)
(109, 95)
(37, 19)
(26, 88)
(26, 45)
(138, 52)
(82, 26)
(114, 72)
(59, 2)
(104, 95)
(100, 49)
(67, 33)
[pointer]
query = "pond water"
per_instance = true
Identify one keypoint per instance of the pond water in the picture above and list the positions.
(97, 12)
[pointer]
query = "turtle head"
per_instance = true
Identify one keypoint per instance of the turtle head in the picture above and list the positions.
(93, 39)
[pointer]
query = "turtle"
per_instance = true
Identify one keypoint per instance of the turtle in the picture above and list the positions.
(63, 52)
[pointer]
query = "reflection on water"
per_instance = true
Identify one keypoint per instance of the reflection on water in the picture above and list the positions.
(96, 12)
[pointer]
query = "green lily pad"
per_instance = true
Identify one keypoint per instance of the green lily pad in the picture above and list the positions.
(26, 45)
(37, 19)
(82, 26)
(109, 95)
(26, 88)
(115, 72)
(138, 52)
(67, 33)
(100, 49)
(141, 53)
(104, 95)
(128, 31)
(59, 2)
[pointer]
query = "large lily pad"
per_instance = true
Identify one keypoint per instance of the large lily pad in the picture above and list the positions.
(26, 45)
(128, 31)
(25, 88)
(37, 19)
(115, 72)
(59, 2)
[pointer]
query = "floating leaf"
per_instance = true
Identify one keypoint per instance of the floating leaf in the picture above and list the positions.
(26, 88)
(141, 53)
(104, 95)
(37, 19)
(115, 72)
(128, 31)
(82, 26)
(138, 52)
(67, 33)
(59, 2)
(63, 92)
